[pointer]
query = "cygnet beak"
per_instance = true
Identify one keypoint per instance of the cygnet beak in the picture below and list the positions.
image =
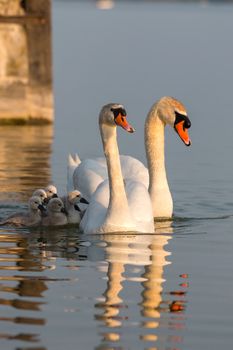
(45, 201)
(76, 207)
(63, 210)
(83, 200)
(42, 208)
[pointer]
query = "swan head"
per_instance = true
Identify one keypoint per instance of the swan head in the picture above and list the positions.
(56, 205)
(51, 191)
(173, 113)
(35, 203)
(114, 114)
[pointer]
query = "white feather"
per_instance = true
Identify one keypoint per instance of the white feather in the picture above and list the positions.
(117, 204)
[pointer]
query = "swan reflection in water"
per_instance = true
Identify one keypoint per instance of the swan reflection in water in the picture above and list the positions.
(139, 259)
(134, 305)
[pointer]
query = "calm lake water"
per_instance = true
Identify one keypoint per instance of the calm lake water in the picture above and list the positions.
(169, 291)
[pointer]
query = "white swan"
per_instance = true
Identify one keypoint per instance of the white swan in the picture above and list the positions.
(117, 205)
(166, 111)
(88, 174)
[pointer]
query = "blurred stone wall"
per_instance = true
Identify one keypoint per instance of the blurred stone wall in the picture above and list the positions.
(19, 103)
(13, 44)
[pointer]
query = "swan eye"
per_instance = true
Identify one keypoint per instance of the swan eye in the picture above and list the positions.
(117, 111)
(123, 112)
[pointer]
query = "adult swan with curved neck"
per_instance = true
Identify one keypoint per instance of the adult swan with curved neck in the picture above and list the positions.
(88, 174)
(117, 205)
(166, 111)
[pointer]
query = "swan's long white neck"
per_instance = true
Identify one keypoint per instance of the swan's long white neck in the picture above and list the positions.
(158, 186)
(118, 209)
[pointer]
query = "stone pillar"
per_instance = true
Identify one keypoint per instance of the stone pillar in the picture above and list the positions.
(26, 63)
(39, 90)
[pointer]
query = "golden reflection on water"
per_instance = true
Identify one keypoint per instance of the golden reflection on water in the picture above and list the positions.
(149, 255)
(24, 160)
(19, 291)
(25, 256)
(131, 264)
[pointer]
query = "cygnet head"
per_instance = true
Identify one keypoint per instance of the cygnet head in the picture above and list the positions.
(114, 114)
(51, 191)
(172, 112)
(40, 193)
(35, 203)
(56, 205)
(74, 197)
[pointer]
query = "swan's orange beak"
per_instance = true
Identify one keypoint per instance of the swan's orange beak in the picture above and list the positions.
(122, 121)
(183, 132)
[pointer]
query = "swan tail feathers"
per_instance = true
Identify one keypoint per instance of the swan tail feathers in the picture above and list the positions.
(77, 159)
(73, 163)
(73, 160)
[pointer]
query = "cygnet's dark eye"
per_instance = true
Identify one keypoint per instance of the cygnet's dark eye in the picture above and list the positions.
(78, 195)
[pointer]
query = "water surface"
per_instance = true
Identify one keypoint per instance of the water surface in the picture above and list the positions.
(172, 290)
